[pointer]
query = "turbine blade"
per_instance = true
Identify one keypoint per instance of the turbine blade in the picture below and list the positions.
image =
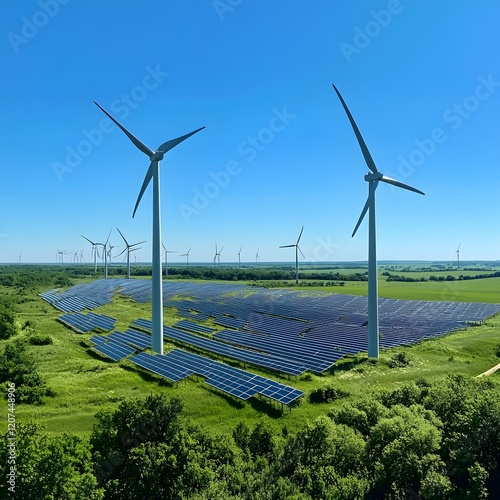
(300, 235)
(134, 139)
(286, 246)
(167, 146)
(366, 207)
(368, 158)
(84, 237)
(394, 182)
(108, 236)
(135, 244)
(122, 252)
(126, 242)
(301, 252)
(147, 180)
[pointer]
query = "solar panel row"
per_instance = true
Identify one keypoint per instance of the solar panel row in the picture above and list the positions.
(112, 349)
(238, 383)
(85, 323)
(273, 362)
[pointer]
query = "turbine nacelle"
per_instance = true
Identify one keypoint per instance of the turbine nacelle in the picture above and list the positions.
(376, 176)
(157, 156)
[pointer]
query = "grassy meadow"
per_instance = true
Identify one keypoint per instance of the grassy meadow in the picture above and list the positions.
(84, 382)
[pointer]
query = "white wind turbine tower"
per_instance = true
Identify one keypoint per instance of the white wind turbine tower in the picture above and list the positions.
(166, 258)
(373, 179)
(129, 249)
(153, 173)
(239, 257)
(458, 256)
(187, 257)
(105, 255)
(94, 251)
(218, 256)
(215, 255)
(297, 250)
(75, 257)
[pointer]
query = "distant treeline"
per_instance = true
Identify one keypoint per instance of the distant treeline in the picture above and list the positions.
(396, 277)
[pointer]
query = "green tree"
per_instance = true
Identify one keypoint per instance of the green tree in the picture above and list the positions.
(7, 322)
(49, 468)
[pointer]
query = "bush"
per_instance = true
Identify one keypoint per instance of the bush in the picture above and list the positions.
(40, 340)
(327, 394)
(399, 360)
(497, 350)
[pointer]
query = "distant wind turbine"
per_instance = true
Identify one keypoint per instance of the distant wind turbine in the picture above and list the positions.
(218, 255)
(94, 251)
(257, 258)
(153, 173)
(187, 257)
(129, 249)
(458, 256)
(297, 250)
(215, 255)
(239, 257)
(166, 258)
(373, 179)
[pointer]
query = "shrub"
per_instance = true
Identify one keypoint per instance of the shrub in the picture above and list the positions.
(40, 340)
(399, 360)
(327, 394)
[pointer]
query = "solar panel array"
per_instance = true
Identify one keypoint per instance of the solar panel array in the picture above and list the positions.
(178, 364)
(85, 323)
(307, 329)
(266, 360)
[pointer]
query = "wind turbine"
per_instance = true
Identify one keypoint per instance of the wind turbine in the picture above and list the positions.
(153, 172)
(61, 253)
(218, 256)
(257, 258)
(129, 249)
(239, 258)
(75, 257)
(94, 251)
(105, 254)
(373, 179)
(166, 259)
(215, 255)
(187, 257)
(458, 256)
(297, 250)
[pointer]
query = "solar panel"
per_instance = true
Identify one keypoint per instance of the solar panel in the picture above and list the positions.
(113, 350)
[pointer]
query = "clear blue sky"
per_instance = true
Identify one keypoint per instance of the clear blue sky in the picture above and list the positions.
(422, 80)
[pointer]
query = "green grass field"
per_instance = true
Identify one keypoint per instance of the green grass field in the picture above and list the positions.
(85, 383)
